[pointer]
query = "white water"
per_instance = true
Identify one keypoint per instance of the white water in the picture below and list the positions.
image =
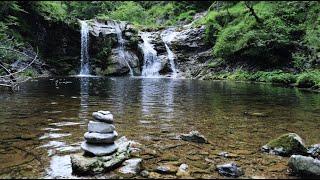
(167, 36)
(151, 62)
(121, 50)
(84, 49)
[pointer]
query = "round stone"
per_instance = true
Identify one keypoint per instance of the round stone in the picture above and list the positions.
(100, 127)
(99, 150)
(99, 138)
(108, 118)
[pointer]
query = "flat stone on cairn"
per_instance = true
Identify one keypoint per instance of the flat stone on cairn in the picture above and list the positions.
(101, 135)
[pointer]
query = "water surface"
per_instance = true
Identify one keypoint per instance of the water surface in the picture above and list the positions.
(44, 122)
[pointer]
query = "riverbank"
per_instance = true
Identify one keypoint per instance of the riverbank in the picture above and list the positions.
(309, 80)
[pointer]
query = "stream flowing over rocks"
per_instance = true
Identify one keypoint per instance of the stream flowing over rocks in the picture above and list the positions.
(118, 48)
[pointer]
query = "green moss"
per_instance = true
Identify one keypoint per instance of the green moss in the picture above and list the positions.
(288, 143)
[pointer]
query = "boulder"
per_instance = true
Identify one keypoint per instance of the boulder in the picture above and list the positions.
(85, 165)
(285, 145)
(194, 136)
(108, 118)
(98, 150)
(304, 166)
(131, 166)
(100, 127)
(230, 169)
(99, 138)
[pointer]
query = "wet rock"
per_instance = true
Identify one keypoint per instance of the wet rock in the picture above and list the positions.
(167, 169)
(99, 138)
(131, 166)
(84, 165)
(230, 169)
(194, 136)
(285, 145)
(144, 173)
(99, 150)
(304, 166)
(108, 118)
(183, 170)
(314, 151)
(100, 127)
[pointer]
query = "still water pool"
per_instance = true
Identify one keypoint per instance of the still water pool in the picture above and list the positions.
(44, 122)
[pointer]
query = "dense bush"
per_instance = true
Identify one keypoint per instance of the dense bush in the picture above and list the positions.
(270, 35)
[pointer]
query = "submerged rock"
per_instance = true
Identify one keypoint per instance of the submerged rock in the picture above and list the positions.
(99, 150)
(131, 166)
(305, 166)
(314, 151)
(99, 138)
(194, 136)
(285, 145)
(256, 114)
(100, 127)
(167, 169)
(230, 169)
(183, 170)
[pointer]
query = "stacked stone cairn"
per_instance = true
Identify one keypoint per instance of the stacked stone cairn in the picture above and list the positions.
(100, 136)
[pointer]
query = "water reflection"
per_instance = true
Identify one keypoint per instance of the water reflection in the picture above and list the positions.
(84, 97)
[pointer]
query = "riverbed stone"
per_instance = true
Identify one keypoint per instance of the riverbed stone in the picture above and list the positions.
(230, 170)
(100, 127)
(99, 150)
(131, 166)
(304, 166)
(108, 118)
(99, 138)
(194, 136)
(314, 151)
(183, 171)
(167, 169)
(285, 145)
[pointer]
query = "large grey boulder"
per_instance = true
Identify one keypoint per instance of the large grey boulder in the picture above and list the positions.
(305, 166)
(99, 138)
(285, 145)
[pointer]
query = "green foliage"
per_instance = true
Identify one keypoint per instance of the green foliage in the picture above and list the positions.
(310, 79)
(272, 39)
(52, 10)
(129, 11)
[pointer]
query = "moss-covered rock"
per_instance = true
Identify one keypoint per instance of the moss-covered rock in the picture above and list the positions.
(286, 145)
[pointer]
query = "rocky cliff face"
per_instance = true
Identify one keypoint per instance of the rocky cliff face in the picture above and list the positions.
(106, 55)
(60, 45)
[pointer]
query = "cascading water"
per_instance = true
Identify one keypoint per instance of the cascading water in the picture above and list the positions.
(151, 64)
(121, 49)
(84, 49)
(167, 36)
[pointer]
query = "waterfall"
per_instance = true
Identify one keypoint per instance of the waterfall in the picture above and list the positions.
(84, 49)
(121, 49)
(167, 36)
(151, 64)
